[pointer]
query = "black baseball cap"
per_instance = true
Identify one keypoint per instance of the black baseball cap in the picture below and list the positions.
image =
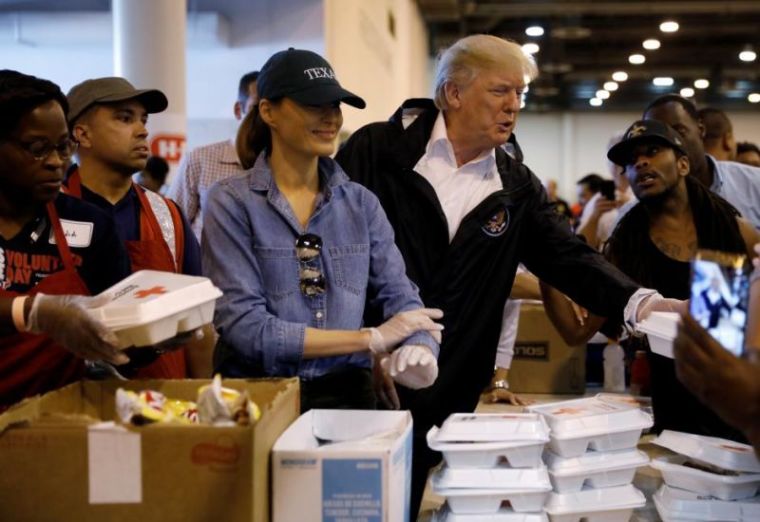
(110, 90)
(644, 131)
(304, 77)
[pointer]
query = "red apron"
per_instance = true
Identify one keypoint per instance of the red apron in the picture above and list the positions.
(32, 364)
(150, 253)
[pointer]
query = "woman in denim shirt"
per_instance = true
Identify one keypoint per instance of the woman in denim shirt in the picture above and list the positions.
(298, 249)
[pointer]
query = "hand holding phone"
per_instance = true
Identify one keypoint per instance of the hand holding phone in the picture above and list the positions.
(720, 295)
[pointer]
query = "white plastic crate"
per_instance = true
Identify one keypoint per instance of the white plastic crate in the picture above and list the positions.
(521, 454)
(594, 423)
(661, 329)
(724, 487)
(151, 306)
(444, 514)
(723, 453)
(486, 490)
(594, 469)
(595, 505)
(491, 427)
(675, 505)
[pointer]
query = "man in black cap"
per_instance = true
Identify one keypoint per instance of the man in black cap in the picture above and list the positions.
(654, 243)
(107, 119)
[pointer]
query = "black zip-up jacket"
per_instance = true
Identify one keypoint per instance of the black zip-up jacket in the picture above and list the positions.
(471, 278)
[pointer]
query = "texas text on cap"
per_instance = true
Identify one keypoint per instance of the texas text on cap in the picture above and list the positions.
(109, 90)
(644, 131)
(304, 77)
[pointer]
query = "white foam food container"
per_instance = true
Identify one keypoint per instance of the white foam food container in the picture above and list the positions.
(594, 469)
(595, 505)
(520, 454)
(444, 514)
(724, 487)
(675, 505)
(486, 490)
(491, 427)
(723, 453)
(661, 329)
(151, 306)
(592, 423)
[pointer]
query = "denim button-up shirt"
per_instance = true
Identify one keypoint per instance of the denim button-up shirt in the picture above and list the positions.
(738, 184)
(249, 238)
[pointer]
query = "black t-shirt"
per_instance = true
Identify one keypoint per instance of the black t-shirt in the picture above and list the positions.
(32, 255)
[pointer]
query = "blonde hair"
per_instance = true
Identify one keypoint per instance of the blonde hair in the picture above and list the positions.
(461, 62)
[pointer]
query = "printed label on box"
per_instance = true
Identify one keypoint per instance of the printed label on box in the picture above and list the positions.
(352, 490)
(532, 351)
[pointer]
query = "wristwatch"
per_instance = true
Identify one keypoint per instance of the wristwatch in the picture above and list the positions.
(501, 384)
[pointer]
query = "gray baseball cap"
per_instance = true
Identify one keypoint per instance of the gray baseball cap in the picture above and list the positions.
(109, 90)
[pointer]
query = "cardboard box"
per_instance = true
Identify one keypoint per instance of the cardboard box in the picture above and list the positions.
(543, 363)
(59, 462)
(343, 466)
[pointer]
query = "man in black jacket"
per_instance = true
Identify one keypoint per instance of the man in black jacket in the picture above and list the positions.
(465, 214)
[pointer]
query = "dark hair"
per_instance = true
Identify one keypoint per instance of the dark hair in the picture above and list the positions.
(745, 146)
(715, 121)
(714, 218)
(245, 81)
(253, 137)
(594, 182)
(674, 98)
(157, 167)
(20, 94)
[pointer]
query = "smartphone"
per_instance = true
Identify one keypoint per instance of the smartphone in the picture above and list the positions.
(720, 296)
(608, 189)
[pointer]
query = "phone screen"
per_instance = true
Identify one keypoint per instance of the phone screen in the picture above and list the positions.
(719, 297)
(608, 189)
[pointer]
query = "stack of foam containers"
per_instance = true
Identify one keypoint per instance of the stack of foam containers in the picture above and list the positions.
(725, 488)
(492, 469)
(592, 458)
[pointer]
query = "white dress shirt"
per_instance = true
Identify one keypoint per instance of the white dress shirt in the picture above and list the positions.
(459, 189)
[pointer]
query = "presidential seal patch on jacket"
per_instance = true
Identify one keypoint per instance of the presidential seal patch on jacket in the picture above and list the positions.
(497, 224)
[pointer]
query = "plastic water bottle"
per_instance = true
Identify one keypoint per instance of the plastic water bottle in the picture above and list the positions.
(614, 368)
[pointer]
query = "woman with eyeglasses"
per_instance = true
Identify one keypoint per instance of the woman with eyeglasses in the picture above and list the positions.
(54, 249)
(298, 250)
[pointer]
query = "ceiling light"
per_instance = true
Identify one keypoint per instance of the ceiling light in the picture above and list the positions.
(610, 86)
(748, 54)
(530, 48)
(651, 44)
(637, 59)
(663, 81)
(620, 76)
(687, 92)
(669, 26)
(534, 30)
(701, 83)
(602, 94)
(754, 97)
(595, 102)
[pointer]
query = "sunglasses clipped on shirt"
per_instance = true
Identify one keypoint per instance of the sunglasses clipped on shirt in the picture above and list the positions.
(310, 278)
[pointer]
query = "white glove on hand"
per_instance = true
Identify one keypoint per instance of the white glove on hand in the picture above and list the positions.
(413, 366)
(657, 303)
(64, 318)
(393, 331)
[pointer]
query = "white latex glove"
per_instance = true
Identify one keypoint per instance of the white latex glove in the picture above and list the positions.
(64, 318)
(399, 327)
(413, 366)
(657, 303)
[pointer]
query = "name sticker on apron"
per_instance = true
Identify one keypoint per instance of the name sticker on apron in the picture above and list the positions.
(78, 233)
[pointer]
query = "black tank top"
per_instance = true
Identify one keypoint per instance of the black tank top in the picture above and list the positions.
(675, 408)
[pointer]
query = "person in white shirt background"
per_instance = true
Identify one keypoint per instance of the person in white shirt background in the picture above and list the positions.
(204, 166)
